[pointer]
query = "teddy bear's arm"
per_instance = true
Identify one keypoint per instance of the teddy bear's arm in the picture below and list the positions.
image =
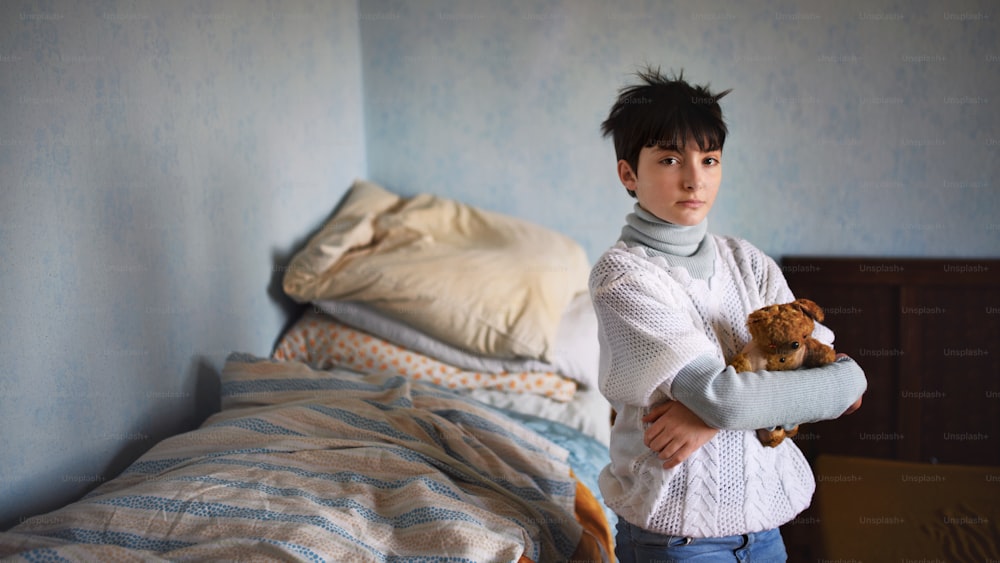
(749, 359)
(817, 353)
(771, 438)
(741, 363)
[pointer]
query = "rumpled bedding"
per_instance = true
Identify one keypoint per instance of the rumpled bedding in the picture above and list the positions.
(334, 466)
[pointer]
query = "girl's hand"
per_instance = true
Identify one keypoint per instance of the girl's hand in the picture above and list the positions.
(675, 432)
(854, 407)
(857, 404)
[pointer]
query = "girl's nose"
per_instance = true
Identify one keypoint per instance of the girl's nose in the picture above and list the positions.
(692, 177)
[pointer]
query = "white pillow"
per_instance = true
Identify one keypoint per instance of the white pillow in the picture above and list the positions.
(577, 349)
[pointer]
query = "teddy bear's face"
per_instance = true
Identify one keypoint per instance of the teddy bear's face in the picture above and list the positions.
(780, 332)
(783, 354)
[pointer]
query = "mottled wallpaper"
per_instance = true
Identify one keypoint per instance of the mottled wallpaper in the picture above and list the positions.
(856, 127)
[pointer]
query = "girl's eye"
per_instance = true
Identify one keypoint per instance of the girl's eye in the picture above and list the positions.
(711, 161)
(669, 160)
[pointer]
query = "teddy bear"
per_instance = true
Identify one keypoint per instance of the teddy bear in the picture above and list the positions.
(781, 340)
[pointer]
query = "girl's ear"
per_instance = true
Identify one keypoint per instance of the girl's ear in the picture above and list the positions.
(627, 175)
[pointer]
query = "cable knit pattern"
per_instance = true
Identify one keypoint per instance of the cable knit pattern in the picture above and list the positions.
(655, 321)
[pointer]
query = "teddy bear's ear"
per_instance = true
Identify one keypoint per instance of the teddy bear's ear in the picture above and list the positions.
(810, 308)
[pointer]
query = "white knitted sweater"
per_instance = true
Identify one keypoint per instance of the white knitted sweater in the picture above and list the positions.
(656, 320)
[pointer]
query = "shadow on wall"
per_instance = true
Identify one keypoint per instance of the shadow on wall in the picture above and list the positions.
(207, 390)
(281, 259)
(291, 310)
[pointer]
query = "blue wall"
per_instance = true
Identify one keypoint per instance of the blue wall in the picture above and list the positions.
(157, 160)
(857, 127)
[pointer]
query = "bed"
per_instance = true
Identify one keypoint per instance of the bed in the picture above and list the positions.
(435, 401)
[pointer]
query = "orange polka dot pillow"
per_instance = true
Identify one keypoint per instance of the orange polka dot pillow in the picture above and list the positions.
(321, 341)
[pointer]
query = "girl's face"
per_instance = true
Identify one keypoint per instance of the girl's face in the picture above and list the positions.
(677, 185)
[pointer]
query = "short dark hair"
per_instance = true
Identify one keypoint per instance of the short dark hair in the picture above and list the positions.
(664, 111)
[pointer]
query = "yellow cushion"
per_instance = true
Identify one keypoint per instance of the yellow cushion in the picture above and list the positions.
(481, 281)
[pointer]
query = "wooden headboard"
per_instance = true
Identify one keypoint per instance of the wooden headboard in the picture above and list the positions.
(927, 333)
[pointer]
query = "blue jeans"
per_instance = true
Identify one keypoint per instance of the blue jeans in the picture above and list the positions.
(635, 545)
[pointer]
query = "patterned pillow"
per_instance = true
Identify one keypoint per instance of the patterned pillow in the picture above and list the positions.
(322, 342)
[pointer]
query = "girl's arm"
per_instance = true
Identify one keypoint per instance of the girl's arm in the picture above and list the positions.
(729, 400)
(768, 399)
(675, 432)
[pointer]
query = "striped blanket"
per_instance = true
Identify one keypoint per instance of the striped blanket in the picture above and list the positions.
(314, 465)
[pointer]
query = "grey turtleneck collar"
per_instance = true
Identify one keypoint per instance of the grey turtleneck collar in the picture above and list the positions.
(681, 246)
